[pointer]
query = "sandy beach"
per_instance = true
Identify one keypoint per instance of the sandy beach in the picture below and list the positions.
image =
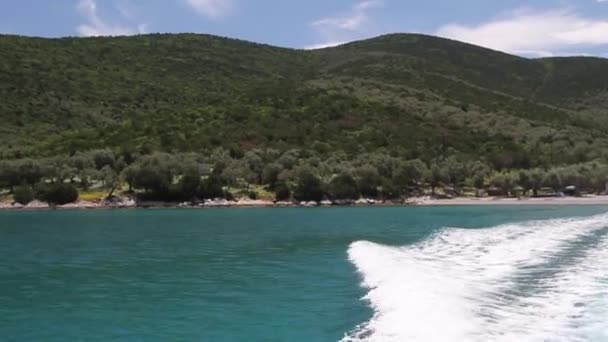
(461, 201)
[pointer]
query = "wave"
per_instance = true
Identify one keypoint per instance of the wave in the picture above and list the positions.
(534, 281)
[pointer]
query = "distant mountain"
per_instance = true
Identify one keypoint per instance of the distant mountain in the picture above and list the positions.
(412, 95)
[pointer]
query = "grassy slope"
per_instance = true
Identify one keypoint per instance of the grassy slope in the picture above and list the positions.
(413, 94)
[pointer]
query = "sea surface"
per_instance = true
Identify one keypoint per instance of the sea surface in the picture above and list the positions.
(517, 273)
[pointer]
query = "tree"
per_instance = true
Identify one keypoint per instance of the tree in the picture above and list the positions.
(525, 181)
(58, 169)
(388, 190)
(84, 165)
(220, 158)
(455, 171)
(211, 187)
(8, 175)
(506, 181)
(109, 178)
(27, 171)
(289, 159)
(107, 175)
(309, 187)
(102, 158)
(571, 176)
(238, 173)
(385, 164)
(553, 180)
(282, 192)
(23, 194)
(498, 180)
(368, 181)
(343, 187)
(436, 177)
(416, 170)
(270, 174)
(255, 164)
(190, 182)
(599, 178)
(479, 181)
(510, 183)
(58, 194)
(537, 177)
(479, 171)
(154, 173)
(128, 175)
(409, 173)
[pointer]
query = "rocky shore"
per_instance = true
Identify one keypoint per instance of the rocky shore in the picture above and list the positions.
(128, 203)
(38, 205)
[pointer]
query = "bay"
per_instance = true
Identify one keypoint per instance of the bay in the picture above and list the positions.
(289, 274)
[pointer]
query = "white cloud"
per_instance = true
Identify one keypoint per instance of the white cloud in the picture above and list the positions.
(527, 32)
(212, 8)
(339, 29)
(96, 26)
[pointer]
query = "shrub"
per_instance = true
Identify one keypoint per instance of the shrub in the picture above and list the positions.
(270, 174)
(211, 188)
(190, 183)
(154, 173)
(228, 196)
(309, 187)
(389, 190)
(343, 187)
(282, 192)
(175, 193)
(103, 158)
(409, 173)
(23, 194)
(553, 180)
(479, 181)
(58, 194)
(368, 181)
(41, 190)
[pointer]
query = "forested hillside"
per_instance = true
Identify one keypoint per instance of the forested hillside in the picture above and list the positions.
(403, 96)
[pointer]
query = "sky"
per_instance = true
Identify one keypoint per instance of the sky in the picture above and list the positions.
(531, 28)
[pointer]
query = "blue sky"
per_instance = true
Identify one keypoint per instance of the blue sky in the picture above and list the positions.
(531, 28)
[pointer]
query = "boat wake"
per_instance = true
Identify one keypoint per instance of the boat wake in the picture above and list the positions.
(534, 281)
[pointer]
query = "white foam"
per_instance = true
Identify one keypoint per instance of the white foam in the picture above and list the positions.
(521, 282)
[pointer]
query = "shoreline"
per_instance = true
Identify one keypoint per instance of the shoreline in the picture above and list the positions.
(412, 202)
(470, 201)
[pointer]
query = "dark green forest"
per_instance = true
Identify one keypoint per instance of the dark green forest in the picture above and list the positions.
(180, 116)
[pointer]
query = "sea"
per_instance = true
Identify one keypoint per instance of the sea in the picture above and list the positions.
(492, 273)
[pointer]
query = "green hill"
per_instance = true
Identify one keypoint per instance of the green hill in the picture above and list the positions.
(409, 95)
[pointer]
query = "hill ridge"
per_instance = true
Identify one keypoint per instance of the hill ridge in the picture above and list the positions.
(186, 92)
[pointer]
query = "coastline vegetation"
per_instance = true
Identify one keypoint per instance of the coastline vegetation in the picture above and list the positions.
(270, 175)
(192, 117)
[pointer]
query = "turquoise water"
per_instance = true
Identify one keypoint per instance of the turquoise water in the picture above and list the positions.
(512, 273)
